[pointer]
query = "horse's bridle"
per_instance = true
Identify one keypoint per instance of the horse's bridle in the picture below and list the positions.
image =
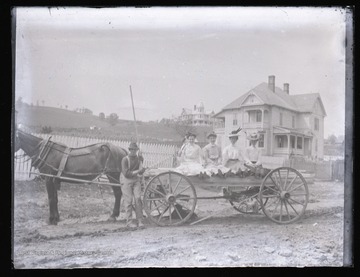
(30, 155)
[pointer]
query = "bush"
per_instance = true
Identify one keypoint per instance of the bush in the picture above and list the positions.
(46, 130)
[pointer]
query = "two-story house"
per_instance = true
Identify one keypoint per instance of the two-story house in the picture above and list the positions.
(288, 124)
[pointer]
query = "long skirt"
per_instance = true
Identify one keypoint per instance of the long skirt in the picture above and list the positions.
(189, 168)
(211, 169)
(235, 165)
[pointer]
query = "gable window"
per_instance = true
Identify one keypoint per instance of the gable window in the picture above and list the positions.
(299, 142)
(316, 124)
(235, 123)
(293, 122)
(258, 116)
(281, 141)
(281, 119)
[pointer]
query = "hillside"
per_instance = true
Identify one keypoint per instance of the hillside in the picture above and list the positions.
(73, 123)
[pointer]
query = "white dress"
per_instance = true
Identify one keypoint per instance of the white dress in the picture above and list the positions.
(232, 158)
(191, 161)
(213, 159)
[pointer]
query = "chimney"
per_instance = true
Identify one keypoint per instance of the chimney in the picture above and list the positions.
(271, 83)
(194, 107)
(286, 88)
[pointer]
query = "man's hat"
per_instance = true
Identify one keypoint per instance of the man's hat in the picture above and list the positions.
(212, 134)
(234, 134)
(133, 145)
(253, 136)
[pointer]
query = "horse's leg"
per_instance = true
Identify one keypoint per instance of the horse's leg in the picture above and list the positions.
(56, 188)
(117, 195)
(52, 197)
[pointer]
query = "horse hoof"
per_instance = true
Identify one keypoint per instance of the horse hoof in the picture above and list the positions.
(112, 219)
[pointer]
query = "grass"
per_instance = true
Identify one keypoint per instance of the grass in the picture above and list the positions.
(66, 122)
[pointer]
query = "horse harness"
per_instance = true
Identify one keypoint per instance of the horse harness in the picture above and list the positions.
(46, 147)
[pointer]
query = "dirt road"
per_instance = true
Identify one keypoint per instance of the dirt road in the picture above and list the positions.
(83, 237)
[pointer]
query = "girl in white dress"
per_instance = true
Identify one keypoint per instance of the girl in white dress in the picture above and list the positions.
(231, 155)
(190, 158)
(213, 158)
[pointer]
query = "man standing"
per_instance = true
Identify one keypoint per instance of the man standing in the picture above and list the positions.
(132, 169)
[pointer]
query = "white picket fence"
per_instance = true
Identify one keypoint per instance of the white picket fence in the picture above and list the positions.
(155, 155)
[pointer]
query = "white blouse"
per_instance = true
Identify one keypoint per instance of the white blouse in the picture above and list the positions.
(231, 152)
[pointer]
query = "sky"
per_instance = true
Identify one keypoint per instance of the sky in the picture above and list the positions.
(175, 58)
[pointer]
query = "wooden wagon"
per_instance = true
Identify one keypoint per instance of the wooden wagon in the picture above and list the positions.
(282, 195)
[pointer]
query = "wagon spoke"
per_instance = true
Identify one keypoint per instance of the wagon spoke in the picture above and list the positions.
(292, 206)
(296, 201)
(276, 191)
(275, 183)
(154, 199)
(177, 184)
(298, 194)
(291, 183)
(170, 187)
(177, 211)
(296, 187)
(156, 191)
(286, 178)
(170, 213)
(161, 184)
(157, 207)
(280, 180)
(281, 205)
(183, 190)
(270, 196)
(287, 211)
(162, 214)
(277, 204)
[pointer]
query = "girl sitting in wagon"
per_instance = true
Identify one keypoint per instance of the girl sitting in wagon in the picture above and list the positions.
(253, 157)
(213, 158)
(190, 158)
(232, 157)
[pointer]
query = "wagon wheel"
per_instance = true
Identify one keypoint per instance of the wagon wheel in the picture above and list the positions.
(246, 203)
(285, 193)
(169, 199)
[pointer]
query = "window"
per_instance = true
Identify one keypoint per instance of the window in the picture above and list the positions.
(258, 116)
(316, 145)
(292, 141)
(316, 124)
(261, 141)
(281, 119)
(299, 141)
(293, 121)
(235, 123)
(281, 141)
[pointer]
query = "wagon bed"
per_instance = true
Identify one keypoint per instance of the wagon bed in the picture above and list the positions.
(170, 198)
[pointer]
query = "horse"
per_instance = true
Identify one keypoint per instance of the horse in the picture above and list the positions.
(85, 163)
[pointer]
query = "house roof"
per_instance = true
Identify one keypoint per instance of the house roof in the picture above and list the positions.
(284, 130)
(298, 103)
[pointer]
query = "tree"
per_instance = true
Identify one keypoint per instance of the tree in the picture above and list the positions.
(182, 127)
(332, 139)
(112, 119)
(101, 116)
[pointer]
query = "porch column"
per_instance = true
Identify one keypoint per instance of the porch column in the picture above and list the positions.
(288, 137)
(262, 119)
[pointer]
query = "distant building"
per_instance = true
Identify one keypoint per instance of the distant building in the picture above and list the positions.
(290, 125)
(198, 116)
